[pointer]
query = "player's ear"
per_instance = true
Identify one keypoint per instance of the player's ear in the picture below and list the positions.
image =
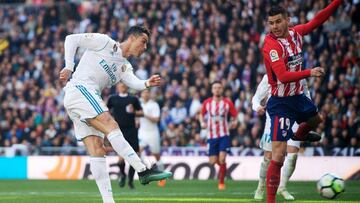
(288, 20)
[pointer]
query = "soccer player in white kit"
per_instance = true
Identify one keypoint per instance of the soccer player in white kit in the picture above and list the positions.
(262, 93)
(149, 134)
(103, 64)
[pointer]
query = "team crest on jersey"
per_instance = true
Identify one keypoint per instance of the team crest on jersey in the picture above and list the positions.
(284, 133)
(274, 56)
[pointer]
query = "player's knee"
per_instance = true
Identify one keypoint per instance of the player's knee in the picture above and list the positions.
(278, 156)
(221, 161)
(108, 120)
(267, 155)
(97, 152)
(213, 162)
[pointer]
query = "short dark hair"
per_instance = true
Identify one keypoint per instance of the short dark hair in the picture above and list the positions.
(216, 82)
(276, 10)
(137, 30)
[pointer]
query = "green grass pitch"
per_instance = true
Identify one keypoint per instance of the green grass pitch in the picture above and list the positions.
(41, 191)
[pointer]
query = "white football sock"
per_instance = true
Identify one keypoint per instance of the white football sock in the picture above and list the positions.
(123, 148)
(262, 174)
(101, 176)
(289, 167)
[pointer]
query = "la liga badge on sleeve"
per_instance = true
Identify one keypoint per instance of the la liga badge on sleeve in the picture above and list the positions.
(274, 56)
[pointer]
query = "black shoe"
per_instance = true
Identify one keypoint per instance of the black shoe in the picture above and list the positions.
(153, 174)
(131, 185)
(312, 136)
(122, 181)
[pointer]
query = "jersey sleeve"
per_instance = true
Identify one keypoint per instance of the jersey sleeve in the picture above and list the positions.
(128, 77)
(319, 19)
(232, 109)
(272, 53)
(203, 108)
(92, 41)
(262, 91)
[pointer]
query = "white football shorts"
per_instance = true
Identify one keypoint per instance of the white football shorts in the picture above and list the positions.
(150, 139)
(82, 103)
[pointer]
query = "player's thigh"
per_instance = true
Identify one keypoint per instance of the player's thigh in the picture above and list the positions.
(213, 147)
(279, 150)
(306, 110)
(104, 123)
(281, 127)
(94, 146)
(84, 102)
(81, 128)
(224, 143)
(293, 146)
(213, 159)
(282, 118)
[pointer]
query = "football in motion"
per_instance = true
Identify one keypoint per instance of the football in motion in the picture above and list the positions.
(330, 186)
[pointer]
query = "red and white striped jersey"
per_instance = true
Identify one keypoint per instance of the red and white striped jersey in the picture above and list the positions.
(283, 58)
(216, 115)
(289, 50)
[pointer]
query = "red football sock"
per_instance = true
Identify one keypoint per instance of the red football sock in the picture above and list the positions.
(302, 131)
(272, 180)
(222, 172)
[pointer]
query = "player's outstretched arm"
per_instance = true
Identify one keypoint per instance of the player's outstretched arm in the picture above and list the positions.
(319, 19)
(92, 41)
(277, 64)
(135, 83)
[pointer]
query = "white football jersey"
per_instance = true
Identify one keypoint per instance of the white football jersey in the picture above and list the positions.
(102, 64)
(150, 108)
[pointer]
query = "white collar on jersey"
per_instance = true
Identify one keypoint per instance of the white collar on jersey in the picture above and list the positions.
(123, 95)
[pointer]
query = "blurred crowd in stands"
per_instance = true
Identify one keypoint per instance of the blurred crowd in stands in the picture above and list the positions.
(192, 44)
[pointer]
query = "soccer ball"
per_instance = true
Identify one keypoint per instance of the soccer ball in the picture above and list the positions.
(330, 186)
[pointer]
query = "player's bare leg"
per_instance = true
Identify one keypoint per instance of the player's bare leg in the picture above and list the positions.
(214, 160)
(259, 193)
(289, 168)
(304, 132)
(107, 125)
(274, 170)
(222, 170)
(96, 150)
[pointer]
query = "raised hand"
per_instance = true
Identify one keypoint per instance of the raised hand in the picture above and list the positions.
(317, 72)
(154, 80)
